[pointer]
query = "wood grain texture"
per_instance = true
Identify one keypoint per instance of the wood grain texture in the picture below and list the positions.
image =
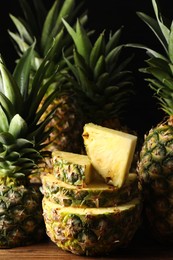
(141, 247)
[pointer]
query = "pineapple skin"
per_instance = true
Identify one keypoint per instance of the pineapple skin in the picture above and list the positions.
(95, 195)
(155, 168)
(86, 232)
(21, 220)
(67, 126)
(75, 169)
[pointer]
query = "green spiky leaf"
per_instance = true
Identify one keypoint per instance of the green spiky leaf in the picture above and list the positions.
(18, 127)
(97, 51)
(81, 39)
(23, 32)
(10, 88)
(22, 72)
(158, 14)
(153, 24)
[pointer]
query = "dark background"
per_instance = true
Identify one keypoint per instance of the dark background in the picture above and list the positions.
(143, 112)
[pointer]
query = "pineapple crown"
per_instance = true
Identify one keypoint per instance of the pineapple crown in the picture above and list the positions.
(21, 133)
(45, 25)
(100, 79)
(160, 66)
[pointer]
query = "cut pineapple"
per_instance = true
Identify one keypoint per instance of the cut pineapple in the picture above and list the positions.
(97, 194)
(110, 151)
(91, 231)
(72, 168)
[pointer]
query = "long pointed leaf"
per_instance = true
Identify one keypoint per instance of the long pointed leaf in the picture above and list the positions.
(170, 43)
(24, 34)
(7, 106)
(22, 71)
(22, 45)
(49, 24)
(29, 15)
(81, 39)
(149, 51)
(153, 25)
(4, 125)
(65, 11)
(114, 40)
(10, 88)
(97, 50)
(163, 28)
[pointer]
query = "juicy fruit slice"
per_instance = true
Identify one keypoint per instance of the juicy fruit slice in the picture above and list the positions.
(97, 194)
(91, 231)
(72, 168)
(110, 151)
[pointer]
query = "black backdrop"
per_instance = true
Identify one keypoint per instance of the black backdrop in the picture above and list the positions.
(143, 112)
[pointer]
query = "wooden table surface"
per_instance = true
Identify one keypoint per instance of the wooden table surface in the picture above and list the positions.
(141, 247)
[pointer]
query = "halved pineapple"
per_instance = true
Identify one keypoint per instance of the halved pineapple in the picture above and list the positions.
(91, 231)
(110, 151)
(72, 168)
(96, 194)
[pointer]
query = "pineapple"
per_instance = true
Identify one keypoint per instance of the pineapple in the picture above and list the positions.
(101, 82)
(118, 149)
(96, 194)
(97, 79)
(95, 218)
(91, 231)
(155, 166)
(72, 168)
(21, 143)
(46, 27)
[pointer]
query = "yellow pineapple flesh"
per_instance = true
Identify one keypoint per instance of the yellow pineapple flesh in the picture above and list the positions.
(110, 151)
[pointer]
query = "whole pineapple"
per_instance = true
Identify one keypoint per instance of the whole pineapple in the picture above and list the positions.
(21, 143)
(155, 166)
(45, 25)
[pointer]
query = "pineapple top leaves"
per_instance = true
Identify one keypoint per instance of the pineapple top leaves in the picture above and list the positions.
(100, 79)
(45, 26)
(21, 133)
(160, 66)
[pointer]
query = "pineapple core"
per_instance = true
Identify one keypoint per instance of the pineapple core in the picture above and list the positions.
(110, 151)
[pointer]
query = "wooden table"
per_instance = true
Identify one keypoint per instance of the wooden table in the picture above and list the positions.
(141, 247)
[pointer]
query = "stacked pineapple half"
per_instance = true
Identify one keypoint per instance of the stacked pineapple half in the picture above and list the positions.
(91, 203)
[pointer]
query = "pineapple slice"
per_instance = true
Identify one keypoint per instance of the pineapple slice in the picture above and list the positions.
(91, 231)
(110, 151)
(97, 194)
(72, 168)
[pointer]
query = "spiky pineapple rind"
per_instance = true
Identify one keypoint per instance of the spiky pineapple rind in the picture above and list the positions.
(91, 231)
(155, 174)
(96, 194)
(20, 215)
(72, 168)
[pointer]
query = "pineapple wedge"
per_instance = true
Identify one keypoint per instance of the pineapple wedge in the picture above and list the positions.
(71, 168)
(91, 231)
(110, 151)
(96, 194)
